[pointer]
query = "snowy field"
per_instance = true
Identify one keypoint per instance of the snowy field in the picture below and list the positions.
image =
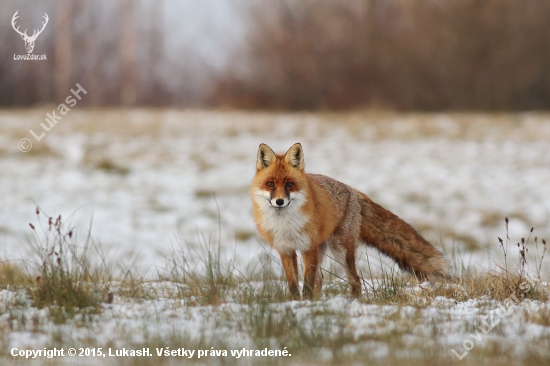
(148, 178)
(150, 181)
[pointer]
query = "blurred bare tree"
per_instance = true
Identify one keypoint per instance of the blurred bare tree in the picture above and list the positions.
(63, 46)
(127, 52)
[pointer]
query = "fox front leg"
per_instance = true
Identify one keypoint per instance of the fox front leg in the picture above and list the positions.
(290, 265)
(319, 278)
(311, 267)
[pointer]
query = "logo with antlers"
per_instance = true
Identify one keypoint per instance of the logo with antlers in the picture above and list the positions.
(29, 40)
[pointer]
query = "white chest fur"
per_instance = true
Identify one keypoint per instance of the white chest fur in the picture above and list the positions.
(287, 224)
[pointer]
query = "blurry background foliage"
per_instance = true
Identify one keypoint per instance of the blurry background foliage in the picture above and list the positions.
(487, 55)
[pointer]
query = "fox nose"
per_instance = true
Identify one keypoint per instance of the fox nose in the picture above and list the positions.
(280, 202)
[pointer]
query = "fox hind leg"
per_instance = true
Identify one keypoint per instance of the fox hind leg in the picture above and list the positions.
(345, 255)
(351, 271)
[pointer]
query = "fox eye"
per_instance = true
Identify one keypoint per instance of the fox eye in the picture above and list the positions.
(289, 184)
(270, 184)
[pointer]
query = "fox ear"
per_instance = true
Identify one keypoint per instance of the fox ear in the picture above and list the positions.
(266, 157)
(295, 156)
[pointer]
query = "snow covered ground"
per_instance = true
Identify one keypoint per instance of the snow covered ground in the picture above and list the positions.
(320, 332)
(148, 178)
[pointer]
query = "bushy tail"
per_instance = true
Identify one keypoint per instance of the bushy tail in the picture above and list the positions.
(395, 238)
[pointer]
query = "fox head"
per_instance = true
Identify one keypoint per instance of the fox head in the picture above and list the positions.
(279, 179)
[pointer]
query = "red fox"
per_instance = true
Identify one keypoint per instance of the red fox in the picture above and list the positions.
(297, 211)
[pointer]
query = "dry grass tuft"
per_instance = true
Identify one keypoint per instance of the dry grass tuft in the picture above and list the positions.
(67, 280)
